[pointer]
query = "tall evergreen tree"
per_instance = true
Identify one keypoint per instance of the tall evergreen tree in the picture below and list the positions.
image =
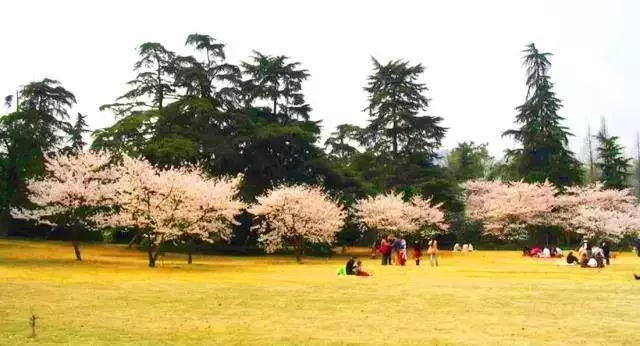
(275, 79)
(26, 135)
(544, 154)
(155, 80)
(396, 98)
(341, 143)
(76, 132)
(614, 167)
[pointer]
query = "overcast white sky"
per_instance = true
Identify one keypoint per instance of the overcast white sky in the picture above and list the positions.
(471, 50)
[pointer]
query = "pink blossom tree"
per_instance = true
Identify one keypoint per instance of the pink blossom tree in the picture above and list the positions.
(169, 204)
(595, 212)
(295, 215)
(507, 209)
(391, 214)
(74, 188)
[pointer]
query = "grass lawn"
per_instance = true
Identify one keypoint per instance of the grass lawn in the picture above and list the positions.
(481, 298)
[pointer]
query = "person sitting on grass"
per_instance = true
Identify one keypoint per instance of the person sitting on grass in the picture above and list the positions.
(545, 253)
(457, 247)
(599, 260)
(571, 259)
(525, 251)
(350, 266)
(470, 247)
(359, 270)
(584, 260)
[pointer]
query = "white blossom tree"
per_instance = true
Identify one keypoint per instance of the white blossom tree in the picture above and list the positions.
(506, 209)
(294, 215)
(167, 204)
(74, 188)
(595, 212)
(390, 213)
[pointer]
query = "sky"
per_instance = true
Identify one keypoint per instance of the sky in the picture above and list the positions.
(471, 51)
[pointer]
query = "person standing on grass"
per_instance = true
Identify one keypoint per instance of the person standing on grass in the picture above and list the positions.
(397, 246)
(417, 252)
(638, 247)
(432, 251)
(385, 250)
(606, 251)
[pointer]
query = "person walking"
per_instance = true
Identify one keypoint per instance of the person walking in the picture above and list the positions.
(606, 251)
(432, 251)
(417, 252)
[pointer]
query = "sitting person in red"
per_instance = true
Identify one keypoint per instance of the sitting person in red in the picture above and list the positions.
(535, 252)
(359, 271)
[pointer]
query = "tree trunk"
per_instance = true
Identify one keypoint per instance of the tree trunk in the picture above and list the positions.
(4, 223)
(190, 252)
(135, 239)
(300, 250)
(74, 242)
(152, 256)
(395, 139)
(275, 105)
(76, 249)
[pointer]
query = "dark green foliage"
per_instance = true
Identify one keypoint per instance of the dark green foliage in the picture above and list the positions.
(469, 161)
(544, 154)
(341, 143)
(614, 166)
(395, 101)
(275, 79)
(77, 130)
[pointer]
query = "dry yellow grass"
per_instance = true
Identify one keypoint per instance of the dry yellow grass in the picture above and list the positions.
(481, 298)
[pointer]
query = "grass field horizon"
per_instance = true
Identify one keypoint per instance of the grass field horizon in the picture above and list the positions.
(486, 297)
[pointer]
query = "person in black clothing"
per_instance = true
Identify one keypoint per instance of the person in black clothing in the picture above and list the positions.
(638, 247)
(350, 264)
(571, 259)
(606, 251)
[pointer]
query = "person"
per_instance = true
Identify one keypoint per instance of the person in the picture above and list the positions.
(350, 264)
(606, 252)
(558, 252)
(599, 260)
(359, 270)
(584, 247)
(470, 247)
(535, 251)
(396, 245)
(595, 251)
(584, 260)
(417, 252)
(638, 247)
(525, 251)
(552, 251)
(433, 252)
(385, 251)
(402, 258)
(465, 247)
(545, 253)
(374, 249)
(457, 247)
(592, 263)
(571, 259)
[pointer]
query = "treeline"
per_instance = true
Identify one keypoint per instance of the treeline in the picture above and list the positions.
(252, 119)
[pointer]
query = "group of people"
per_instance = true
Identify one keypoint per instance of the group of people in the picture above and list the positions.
(591, 256)
(542, 252)
(466, 247)
(394, 250)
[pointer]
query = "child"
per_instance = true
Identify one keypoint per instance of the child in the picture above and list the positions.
(359, 270)
(402, 258)
(417, 252)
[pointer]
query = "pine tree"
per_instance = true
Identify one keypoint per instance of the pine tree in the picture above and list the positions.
(611, 161)
(544, 154)
(396, 98)
(76, 131)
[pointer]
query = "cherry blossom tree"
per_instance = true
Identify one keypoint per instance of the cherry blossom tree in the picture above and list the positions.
(507, 209)
(390, 213)
(295, 215)
(74, 189)
(595, 212)
(169, 204)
